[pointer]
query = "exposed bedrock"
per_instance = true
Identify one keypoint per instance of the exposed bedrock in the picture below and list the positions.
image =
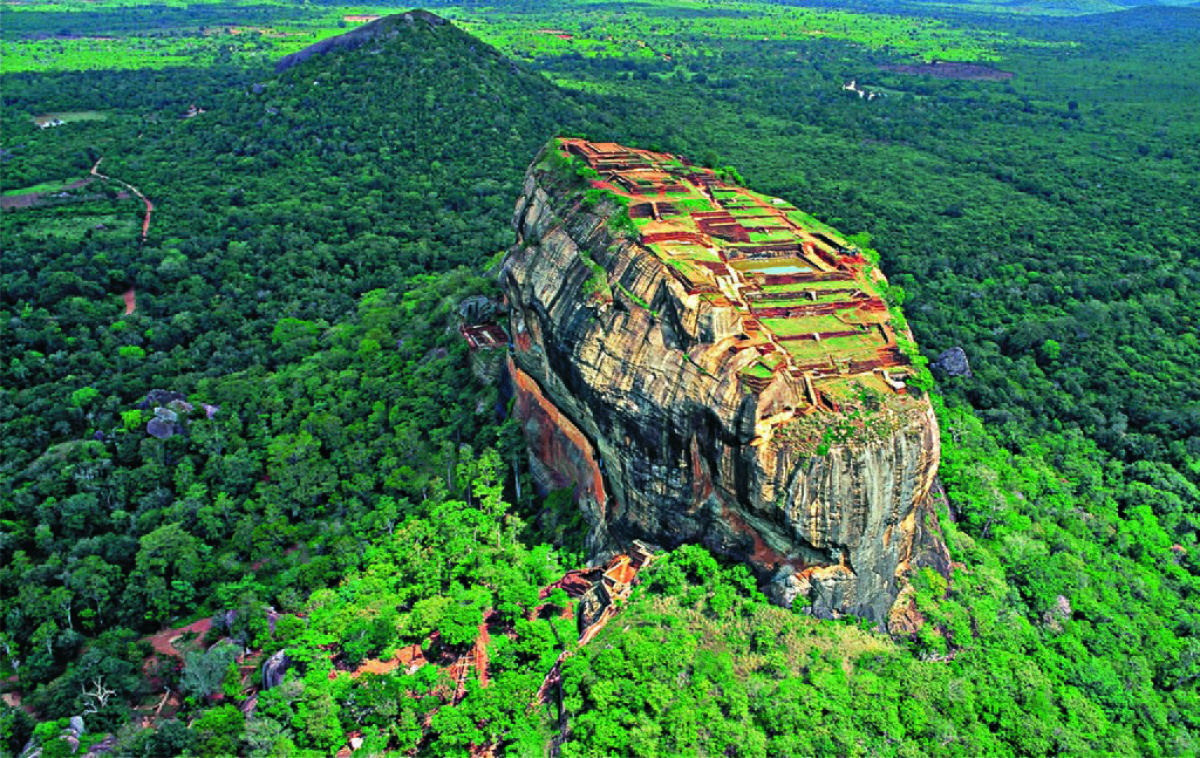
(629, 391)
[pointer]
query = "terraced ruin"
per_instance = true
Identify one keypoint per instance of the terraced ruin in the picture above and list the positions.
(809, 301)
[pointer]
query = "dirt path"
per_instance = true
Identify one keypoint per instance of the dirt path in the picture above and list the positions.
(134, 190)
(130, 298)
(161, 642)
(409, 658)
(481, 654)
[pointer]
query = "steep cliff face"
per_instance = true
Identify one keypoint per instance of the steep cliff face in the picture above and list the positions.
(708, 365)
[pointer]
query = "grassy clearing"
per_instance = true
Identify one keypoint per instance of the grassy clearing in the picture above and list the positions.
(858, 347)
(76, 225)
(806, 351)
(668, 28)
(790, 302)
(1062, 8)
(846, 346)
(806, 286)
(689, 269)
(691, 252)
(153, 51)
(694, 205)
(585, 85)
(775, 221)
(892, 92)
(65, 36)
(783, 235)
(800, 218)
(44, 187)
(797, 638)
(757, 370)
(790, 327)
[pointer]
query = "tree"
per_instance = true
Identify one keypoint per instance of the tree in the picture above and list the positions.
(95, 696)
(95, 581)
(219, 730)
(15, 728)
(165, 555)
(168, 738)
(204, 670)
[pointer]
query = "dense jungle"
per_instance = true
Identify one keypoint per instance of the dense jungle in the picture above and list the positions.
(240, 423)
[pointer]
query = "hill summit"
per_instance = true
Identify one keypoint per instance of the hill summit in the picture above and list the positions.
(379, 29)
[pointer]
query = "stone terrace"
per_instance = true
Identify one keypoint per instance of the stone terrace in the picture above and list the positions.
(808, 300)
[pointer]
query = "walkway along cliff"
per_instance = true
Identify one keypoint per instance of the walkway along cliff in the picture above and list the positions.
(706, 364)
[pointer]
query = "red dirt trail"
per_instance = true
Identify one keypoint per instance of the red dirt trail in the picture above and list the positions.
(130, 298)
(161, 642)
(481, 655)
(134, 190)
(409, 657)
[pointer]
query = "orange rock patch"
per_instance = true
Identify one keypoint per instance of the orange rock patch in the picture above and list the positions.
(561, 443)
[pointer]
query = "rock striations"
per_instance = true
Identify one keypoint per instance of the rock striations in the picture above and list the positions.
(705, 364)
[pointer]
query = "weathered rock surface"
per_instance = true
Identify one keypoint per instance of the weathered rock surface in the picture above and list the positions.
(274, 668)
(637, 402)
(952, 362)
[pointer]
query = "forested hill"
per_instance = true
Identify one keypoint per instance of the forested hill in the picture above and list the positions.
(286, 218)
(288, 199)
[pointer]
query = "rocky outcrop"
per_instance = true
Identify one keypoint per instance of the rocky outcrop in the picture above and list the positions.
(171, 411)
(677, 424)
(952, 362)
(274, 669)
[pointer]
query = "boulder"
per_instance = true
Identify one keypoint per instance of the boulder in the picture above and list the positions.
(103, 747)
(476, 309)
(1058, 613)
(166, 414)
(274, 669)
(952, 362)
(160, 429)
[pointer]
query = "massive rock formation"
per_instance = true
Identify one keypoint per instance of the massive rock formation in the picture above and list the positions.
(709, 365)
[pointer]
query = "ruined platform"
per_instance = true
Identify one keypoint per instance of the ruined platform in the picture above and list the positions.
(809, 301)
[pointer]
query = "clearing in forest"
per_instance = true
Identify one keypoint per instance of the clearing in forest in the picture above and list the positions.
(58, 118)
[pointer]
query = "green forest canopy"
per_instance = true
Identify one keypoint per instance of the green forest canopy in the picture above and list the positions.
(313, 233)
